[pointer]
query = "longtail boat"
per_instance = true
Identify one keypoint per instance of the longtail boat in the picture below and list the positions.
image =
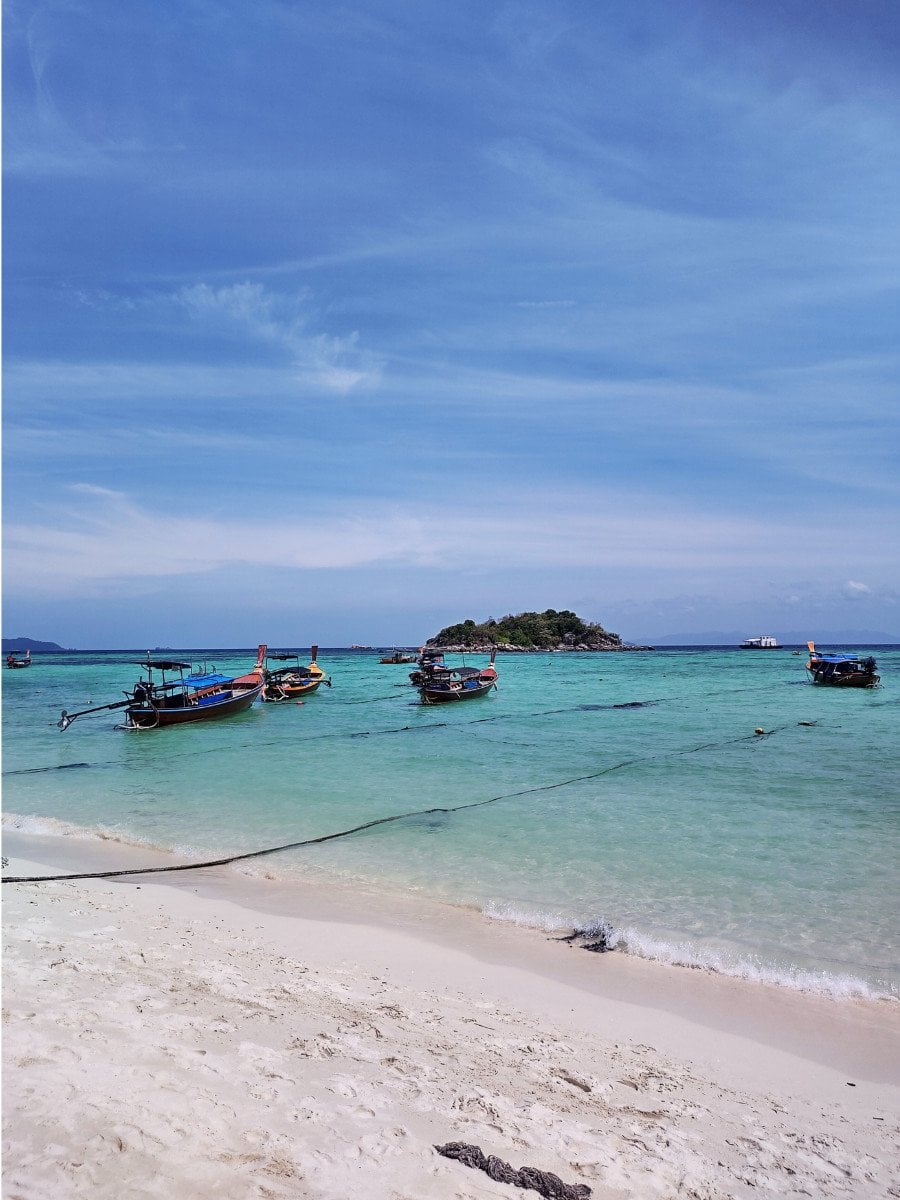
(292, 681)
(429, 661)
(165, 695)
(447, 684)
(398, 657)
(841, 670)
(16, 664)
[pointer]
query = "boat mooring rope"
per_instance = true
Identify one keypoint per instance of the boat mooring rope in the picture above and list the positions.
(421, 812)
(349, 734)
(418, 728)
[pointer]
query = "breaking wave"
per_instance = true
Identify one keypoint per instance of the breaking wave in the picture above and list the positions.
(694, 956)
(36, 826)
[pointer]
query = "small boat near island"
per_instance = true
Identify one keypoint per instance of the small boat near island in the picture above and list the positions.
(841, 670)
(441, 684)
(165, 695)
(16, 664)
(292, 681)
(766, 642)
(398, 656)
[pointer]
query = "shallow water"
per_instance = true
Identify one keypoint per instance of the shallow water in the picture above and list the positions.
(629, 788)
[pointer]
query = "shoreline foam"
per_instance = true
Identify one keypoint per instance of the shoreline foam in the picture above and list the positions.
(51, 836)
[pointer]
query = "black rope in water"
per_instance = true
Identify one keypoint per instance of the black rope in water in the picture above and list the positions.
(422, 812)
(57, 767)
(332, 734)
(357, 733)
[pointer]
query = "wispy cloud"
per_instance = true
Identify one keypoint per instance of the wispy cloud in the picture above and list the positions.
(246, 312)
(337, 362)
(102, 534)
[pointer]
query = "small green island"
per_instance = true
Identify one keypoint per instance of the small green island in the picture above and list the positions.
(530, 632)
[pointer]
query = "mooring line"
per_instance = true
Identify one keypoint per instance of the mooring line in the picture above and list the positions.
(358, 733)
(422, 812)
(316, 737)
(57, 767)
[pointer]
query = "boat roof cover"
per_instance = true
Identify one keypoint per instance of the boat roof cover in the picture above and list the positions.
(158, 664)
(835, 658)
(208, 679)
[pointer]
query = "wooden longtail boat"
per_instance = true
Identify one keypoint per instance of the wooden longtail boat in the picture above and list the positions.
(841, 670)
(429, 661)
(398, 657)
(445, 685)
(174, 698)
(16, 664)
(292, 682)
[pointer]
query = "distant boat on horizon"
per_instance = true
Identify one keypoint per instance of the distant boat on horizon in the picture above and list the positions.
(766, 642)
(398, 657)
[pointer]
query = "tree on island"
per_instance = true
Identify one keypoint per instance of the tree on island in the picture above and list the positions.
(548, 630)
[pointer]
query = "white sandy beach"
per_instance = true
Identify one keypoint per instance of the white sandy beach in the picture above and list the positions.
(167, 1041)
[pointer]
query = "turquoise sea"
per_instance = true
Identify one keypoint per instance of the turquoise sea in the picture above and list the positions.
(629, 788)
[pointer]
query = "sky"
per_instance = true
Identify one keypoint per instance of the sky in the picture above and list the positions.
(342, 323)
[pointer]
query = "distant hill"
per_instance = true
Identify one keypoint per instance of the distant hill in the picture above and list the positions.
(11, 645)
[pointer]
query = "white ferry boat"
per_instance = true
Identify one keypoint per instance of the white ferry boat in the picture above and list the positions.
(766, 642)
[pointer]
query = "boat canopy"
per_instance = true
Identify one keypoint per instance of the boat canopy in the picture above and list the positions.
(155, 664)
(208, 679)
(835, 658)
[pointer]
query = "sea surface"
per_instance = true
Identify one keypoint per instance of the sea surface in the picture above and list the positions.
(626, 788)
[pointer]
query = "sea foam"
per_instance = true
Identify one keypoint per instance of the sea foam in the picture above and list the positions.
(691, 955)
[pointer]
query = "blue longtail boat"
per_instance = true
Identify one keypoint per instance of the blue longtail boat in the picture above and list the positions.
(841, 670)
(165, 696)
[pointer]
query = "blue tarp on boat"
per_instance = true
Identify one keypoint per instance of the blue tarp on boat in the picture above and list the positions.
(211, 680)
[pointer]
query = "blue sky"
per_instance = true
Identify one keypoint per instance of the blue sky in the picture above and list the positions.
(340, 323)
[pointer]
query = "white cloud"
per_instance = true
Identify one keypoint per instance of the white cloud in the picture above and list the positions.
(283, 321)
(108, 536)
(102, 535)
(854, 589)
